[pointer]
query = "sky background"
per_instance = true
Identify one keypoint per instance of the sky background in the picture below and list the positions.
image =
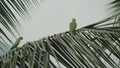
(55, 15)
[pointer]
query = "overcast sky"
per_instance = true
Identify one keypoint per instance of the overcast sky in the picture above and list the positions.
(55, 16)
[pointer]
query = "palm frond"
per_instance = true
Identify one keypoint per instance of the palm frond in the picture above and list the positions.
(29, 56)
(116, 11)
(12, 14)
(90, 47)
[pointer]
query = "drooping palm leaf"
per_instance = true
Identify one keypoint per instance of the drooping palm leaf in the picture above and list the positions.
(11, 14)
(116, 11)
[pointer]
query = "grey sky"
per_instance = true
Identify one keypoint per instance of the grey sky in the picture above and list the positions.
(55, 15)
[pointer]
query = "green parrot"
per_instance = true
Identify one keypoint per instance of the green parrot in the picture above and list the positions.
(73, 26)
(16, 43)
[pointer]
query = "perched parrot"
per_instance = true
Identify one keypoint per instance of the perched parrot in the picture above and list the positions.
(16, 43)
(73, 26)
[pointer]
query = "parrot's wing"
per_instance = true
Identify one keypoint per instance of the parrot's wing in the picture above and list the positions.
(73, 26)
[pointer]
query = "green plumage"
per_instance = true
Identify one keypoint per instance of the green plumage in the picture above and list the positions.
(16, 43)
(73, 26)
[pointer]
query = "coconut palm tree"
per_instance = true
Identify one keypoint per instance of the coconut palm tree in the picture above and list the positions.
(93, 46)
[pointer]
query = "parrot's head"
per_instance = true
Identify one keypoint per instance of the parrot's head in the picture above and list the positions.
(73, 20)
(21, 38)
